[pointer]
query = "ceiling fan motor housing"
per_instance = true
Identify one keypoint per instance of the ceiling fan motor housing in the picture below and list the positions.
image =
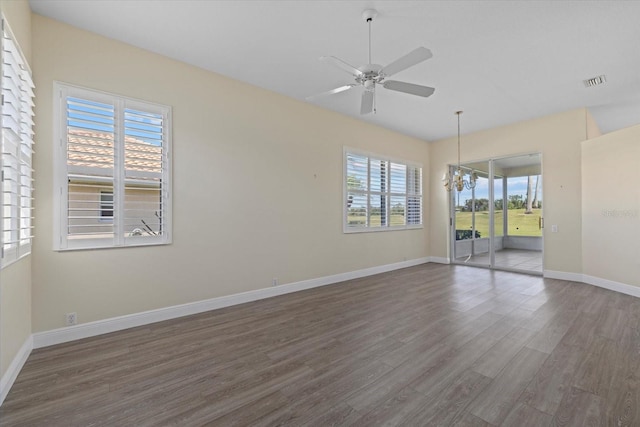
(370, 76)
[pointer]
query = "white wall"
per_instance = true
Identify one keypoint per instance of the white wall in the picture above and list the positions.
(257, 181)
(611, 206)
(558, 138)
(15, 280)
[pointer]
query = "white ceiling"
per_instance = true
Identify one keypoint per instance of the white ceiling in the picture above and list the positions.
(499, 61)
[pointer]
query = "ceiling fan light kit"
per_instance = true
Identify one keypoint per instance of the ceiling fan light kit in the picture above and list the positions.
(370, 75)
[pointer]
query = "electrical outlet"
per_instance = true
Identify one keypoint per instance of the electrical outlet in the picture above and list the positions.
(71, 319)
(274, 282)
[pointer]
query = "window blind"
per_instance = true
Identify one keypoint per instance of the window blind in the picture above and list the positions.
(16, 145)
(113, 170)
(381, 194)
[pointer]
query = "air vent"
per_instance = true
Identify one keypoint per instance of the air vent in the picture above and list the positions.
(595, 81)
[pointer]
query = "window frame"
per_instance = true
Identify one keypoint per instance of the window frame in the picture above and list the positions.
(104, 206)
(388, 193)
(20, 212)
(120, 238)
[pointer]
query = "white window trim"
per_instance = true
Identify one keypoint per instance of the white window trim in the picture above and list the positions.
(346, 229)
(60, 242)
(22, 247)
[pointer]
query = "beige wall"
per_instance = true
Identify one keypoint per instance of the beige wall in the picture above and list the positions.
(15, 310)
(15, 280)
(558, 138)
(611, 206)
(257, 180)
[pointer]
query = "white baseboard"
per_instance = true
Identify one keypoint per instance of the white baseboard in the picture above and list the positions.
(623, 288)
(563, 275)
(611, 285)
(439, 260)
(15, 367)
(90, 329)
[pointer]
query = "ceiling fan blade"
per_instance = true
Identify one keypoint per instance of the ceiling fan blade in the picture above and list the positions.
(367, 102)
(342, 65)
(408, 88)
(409, 60)
(330, 92)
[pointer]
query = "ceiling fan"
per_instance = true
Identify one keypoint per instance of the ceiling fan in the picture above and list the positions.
(370, 75)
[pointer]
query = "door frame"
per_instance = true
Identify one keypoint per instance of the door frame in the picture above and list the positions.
(491, 195)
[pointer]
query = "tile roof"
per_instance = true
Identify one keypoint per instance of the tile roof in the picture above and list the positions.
(95, 149)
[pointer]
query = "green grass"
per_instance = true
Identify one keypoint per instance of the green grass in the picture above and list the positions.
(395, 219)
(520, 224)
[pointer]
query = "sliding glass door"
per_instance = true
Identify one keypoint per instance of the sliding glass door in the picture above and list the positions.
(498, 223)
(471, 220)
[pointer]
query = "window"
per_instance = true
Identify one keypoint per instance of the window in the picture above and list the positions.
(16, 144)
(380, 193)
(106, 205)
(112, 170)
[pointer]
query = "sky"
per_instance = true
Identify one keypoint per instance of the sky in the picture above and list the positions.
(516, 185)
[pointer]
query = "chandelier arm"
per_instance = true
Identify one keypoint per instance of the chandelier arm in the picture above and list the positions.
(458, 113)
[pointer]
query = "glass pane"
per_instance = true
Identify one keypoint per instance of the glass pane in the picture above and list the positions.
(463, 214)
(356, 210)
(398, 179)
(414, 180)
(85, 200)
(398, 210)
(414, 210)
(143, 210)
(482, 206)
(90, 130)
(356, 172)
(524, 216)
(498, 206)
(143, 145)
(378, 175)
(378, 210)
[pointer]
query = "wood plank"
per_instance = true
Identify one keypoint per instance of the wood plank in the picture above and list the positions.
(449, 406)
(580, 408)
(522, 415)
(495, 403)
(553, 379)
(498, 356)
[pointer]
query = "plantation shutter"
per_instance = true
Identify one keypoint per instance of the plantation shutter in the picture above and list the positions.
(357, 176)
(381, 194)
(90, 158)
(144, 162)
(414, 195)
(398, 193)
(17, 142)
(114, 162)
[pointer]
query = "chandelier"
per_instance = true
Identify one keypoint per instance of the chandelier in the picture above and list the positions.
(458, 180)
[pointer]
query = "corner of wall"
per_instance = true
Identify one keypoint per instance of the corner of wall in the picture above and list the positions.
(15, 286)
(591, 127)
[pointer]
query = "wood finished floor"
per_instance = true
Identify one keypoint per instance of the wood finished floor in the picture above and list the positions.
(427, 345)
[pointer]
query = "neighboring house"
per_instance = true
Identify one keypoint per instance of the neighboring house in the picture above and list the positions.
(91, 199)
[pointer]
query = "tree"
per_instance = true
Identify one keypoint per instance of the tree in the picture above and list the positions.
(536, 202)
(480, 205)
(353, 183)
(529, 208)
(515, 201)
